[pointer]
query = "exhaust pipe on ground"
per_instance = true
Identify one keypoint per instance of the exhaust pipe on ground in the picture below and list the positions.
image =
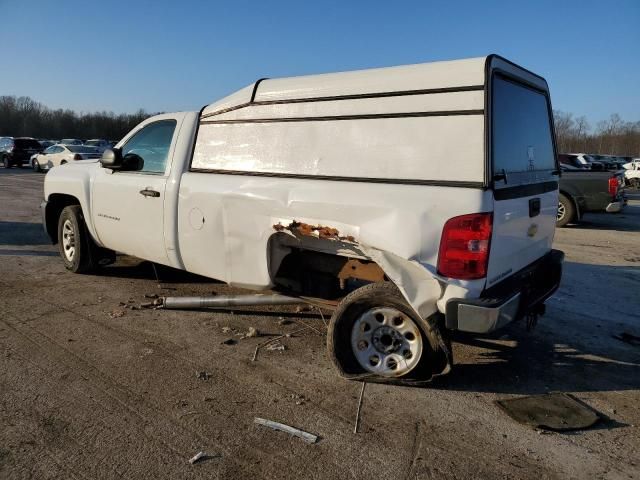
(222, 301)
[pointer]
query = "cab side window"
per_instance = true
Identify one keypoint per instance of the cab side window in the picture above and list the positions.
(152, 144)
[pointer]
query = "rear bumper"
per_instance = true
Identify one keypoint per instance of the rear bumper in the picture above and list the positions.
(615, 207)
(509, 300)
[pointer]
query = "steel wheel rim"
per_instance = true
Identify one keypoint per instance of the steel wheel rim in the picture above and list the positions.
(68, 240)
(386, 341)
(561, 211)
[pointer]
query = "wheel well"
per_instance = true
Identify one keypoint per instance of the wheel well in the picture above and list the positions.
(324, 275)
(56, 203)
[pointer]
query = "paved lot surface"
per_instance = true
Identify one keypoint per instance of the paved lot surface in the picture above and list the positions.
(89, 392)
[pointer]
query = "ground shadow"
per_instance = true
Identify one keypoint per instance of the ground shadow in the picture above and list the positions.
(130, 267)
(7, 252)
(23, 233)
(573, 349)
(626, 221)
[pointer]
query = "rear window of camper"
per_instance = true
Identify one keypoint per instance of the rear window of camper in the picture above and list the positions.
(522, 139)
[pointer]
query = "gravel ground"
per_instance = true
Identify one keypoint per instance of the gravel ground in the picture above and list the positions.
(92, 389)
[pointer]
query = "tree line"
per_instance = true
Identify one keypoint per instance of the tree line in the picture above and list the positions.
(613, 136)
(25, 117)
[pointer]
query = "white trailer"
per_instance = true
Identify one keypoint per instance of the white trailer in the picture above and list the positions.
(420, 199)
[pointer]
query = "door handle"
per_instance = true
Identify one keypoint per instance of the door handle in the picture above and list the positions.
(148, 192)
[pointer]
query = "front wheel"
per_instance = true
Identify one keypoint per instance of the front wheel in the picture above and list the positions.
(374, 334)
(566, 211)
(74, 243)
(35, 165)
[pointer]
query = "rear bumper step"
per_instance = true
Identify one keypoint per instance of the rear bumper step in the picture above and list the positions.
(509, 300)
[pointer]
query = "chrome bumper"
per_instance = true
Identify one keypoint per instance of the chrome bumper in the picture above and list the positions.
(484, 319)
(510, 300)
(614, 207)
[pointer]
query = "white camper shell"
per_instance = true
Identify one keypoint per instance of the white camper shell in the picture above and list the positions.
(418, 199)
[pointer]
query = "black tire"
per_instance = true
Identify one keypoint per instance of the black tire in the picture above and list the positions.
(382, 294)
(6, 162)
(63, 162)
(35, 165)
(82, 259)
(566, 211)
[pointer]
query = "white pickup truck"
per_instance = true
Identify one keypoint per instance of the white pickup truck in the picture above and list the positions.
(418, 199)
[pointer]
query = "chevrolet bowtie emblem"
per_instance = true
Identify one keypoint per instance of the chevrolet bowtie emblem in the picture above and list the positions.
(532, 230)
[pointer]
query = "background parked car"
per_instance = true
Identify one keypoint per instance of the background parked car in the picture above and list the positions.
(580, 160)
(583, 190)
(71, 141)
(60, 154)
(47, 143)
(632, 173)
(99, 144)
(17, 151)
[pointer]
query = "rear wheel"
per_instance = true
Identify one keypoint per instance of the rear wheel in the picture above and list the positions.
(74, 243)
(566, 211)
(374, 334)
(6, 162)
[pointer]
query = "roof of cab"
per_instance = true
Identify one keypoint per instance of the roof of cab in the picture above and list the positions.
(454, 74)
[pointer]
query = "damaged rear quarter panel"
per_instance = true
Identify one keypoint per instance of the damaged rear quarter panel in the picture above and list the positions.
(397, 226)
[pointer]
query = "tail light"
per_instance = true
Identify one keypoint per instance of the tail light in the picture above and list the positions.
(464, 247)
(613, 186)
(77, 156)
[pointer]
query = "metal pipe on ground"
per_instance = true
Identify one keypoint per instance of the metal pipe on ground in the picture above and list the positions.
(222, 301)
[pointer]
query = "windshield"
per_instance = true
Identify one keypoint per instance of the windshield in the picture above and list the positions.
(27, 143)
(81, 149)
(522, 139)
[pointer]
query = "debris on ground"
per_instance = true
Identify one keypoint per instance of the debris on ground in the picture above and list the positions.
(196, 457)
(229, 341)
(302, 308)
(203, 375)
(279, 347)
(147, 305)
(275, 347)
(552, 411)
(252, 332)
(284, 321)
(628, 338)
(357, 423)
(227, 329)
(150, 295)
(300, 399)
(117, 313)
(306, 436)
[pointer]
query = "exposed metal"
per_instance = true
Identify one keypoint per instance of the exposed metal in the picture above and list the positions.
(180, 303)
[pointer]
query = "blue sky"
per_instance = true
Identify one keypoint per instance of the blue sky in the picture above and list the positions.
(166, 56)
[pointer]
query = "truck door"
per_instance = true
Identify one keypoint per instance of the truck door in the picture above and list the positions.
(525, 176)
(128, 207)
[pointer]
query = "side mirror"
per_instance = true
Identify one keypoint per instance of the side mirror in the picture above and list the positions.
(111, 158)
